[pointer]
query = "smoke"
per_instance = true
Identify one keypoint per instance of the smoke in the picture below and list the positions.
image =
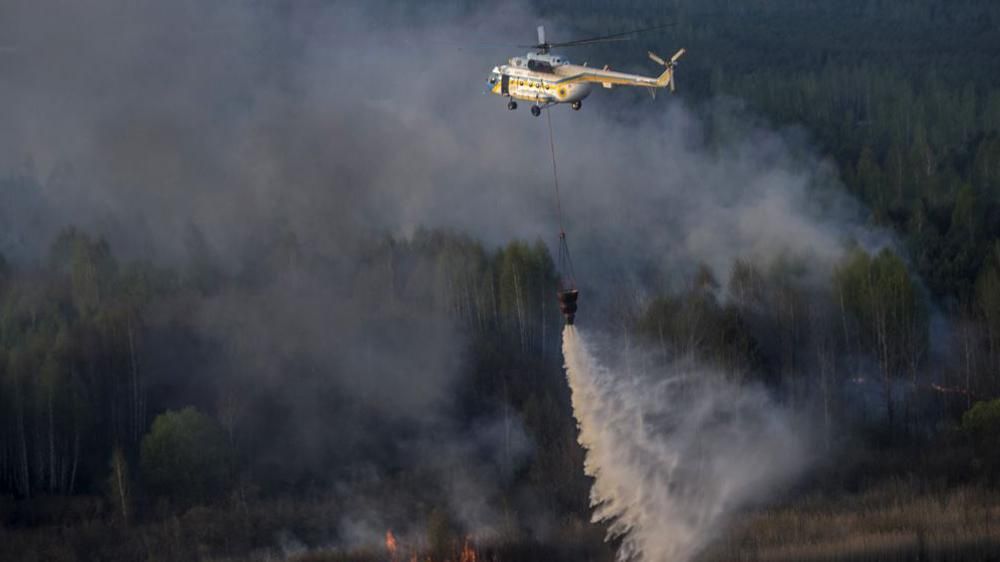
(146, 121)
(185, 131)
(674, 453)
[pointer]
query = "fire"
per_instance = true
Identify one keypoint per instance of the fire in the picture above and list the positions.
(468, 553)
(390, 543)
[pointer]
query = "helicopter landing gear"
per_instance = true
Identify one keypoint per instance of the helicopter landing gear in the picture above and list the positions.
(536, 111)
(577, 105)
(512, 105)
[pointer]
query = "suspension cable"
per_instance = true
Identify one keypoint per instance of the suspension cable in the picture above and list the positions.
(565, 262)
(555, 175)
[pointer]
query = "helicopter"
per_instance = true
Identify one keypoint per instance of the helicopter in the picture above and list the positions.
(547, 79)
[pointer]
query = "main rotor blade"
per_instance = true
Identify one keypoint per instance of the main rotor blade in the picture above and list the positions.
(585, 42)
(613, 37)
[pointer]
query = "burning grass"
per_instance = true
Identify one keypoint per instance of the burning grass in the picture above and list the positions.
(467, 552)
(272, 530)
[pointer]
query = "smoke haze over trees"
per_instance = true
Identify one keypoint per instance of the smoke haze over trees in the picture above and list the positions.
(301, 244)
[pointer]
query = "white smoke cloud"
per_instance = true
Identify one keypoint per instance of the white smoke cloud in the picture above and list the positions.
(146, 120)
(674, 451)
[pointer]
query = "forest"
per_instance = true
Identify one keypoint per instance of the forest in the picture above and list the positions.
(297, 401)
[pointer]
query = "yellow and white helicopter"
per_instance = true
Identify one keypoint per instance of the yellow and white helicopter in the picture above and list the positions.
(545, 79)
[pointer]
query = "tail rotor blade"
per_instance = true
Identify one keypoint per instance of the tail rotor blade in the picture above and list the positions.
(678, 55)
(656, 58)
(673, 87)
(541, 35)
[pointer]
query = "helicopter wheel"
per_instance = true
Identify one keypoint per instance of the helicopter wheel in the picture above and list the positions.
(512, 105)
(536, 111)
(577, 105)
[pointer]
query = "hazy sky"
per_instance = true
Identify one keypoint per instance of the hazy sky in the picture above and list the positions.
(147, 119)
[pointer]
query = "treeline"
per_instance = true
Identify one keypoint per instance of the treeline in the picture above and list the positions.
(97, 352)
(903, 96)
(922, 156)
(109, 385)
(825, 347)
(71, 384)
(112, 387)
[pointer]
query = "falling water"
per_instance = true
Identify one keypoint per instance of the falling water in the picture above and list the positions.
(675, 453)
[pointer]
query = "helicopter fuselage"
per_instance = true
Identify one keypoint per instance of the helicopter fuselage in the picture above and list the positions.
(536, 78)
(547, 79)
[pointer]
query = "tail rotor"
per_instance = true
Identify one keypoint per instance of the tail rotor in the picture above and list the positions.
(669, 64)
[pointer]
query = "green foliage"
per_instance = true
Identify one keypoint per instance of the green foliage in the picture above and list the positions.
(694, 322)
(185, 456)
(526, 282)
(881, 296)
(902, 95)
(90, 266)
(982, 421)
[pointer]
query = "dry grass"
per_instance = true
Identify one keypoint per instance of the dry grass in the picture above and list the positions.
(274, 530)
(899, 520)
(891, 522)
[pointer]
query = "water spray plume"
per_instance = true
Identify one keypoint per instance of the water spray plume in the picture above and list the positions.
(674, 454)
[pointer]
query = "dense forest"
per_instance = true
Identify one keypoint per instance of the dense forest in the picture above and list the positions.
(246, 408)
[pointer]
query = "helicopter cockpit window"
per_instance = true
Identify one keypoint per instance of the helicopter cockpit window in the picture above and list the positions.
(539, 66)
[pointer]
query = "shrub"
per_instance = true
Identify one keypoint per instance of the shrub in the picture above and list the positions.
(185, 457)
(982, 420)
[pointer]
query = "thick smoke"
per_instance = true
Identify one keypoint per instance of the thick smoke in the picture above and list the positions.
(186, 131)
(674, 452)
(148, 120)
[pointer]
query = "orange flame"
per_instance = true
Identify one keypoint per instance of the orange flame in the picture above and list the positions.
(390, 543)
(468, 553)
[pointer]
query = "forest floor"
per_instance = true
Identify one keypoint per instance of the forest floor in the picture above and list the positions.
(892, 521)
(84, 528)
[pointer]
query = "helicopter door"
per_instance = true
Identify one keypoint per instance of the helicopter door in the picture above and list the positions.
(505, 84)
